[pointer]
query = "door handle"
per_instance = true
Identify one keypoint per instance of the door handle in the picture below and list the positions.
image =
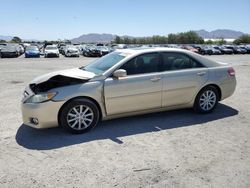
(201, 73)
(155, 79)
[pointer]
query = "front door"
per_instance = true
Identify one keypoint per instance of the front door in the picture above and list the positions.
(140, 90)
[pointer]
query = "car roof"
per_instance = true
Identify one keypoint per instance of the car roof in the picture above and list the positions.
(150, 49)
(137, 51)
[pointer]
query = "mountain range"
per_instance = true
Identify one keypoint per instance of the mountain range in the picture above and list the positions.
(219, 33)
(6, 38)
(215, 34)
(105, 38)
(94, 37)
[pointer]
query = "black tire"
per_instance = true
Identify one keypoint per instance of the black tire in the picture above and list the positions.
(68, 111)
(200, 106)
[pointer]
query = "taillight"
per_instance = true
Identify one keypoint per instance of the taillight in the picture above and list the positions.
(231, 71)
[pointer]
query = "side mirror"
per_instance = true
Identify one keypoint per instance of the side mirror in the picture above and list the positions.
(120, 73)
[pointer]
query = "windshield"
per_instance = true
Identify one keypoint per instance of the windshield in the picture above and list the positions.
(31, 48)
(103, 64)
(102, 48)
(51, 48)
(9, 47)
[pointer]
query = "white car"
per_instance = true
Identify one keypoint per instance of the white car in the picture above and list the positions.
(51, 51)
(71, 51)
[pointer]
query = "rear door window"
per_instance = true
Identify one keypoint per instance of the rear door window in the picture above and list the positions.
(177, 61)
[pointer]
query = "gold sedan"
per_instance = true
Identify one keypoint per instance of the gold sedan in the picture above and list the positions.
(123, 83)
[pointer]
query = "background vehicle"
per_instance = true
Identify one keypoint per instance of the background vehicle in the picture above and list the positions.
(237, 50)
(62, 49)
(248, 48)
(204, 50)
(126, 82)
(32, 51)
(2, 45)
(91, 51)
(103, 50)
(71, 51)
(51, 51)
(215, 51)
(244, 49)
(190, 48)
(10, 50)
(224, 50)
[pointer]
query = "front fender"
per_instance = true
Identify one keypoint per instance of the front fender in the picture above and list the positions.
(92, 90)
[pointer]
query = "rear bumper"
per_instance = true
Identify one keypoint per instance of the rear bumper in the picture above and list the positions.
(32, 55)
(46, 113)
(51, 55)
(72, 54)
(228, 88)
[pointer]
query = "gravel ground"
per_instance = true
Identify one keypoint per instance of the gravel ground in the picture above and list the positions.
(169, 149)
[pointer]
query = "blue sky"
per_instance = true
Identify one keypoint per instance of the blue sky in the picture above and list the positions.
(66, 19)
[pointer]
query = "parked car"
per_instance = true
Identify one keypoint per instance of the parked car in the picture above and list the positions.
(190, 48)
(62, 49)
(91, 51)
(71, 51)
(246, 48)
(237, 50)
(103, 50)
(20, 49)
(118, 46)
(10, 50)
(2, 45)
(123, 83)
(215, 51)
(224, 50)
(51, 51)
(203, 50)
(32, 51)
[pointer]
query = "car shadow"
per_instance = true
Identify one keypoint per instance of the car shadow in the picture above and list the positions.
(47, 139)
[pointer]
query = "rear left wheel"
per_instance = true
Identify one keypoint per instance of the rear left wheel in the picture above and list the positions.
(206, 100)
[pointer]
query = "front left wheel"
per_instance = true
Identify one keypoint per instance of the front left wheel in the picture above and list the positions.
(79, 116)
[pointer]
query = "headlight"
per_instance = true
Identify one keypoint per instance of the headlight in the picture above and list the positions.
(41, 97)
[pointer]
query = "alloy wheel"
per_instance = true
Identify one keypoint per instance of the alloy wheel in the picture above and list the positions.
(207, 100)
(80, 117)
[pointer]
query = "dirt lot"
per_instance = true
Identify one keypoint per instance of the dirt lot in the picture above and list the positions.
(170, 149)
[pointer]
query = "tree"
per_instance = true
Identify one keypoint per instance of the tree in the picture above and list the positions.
(244, 39)
(209, 42)
(118, 40)
(2, 41)
(126, 40)
(221, 41)
(16, 40)
(189, 37)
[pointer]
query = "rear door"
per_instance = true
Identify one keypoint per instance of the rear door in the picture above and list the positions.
(182, 77)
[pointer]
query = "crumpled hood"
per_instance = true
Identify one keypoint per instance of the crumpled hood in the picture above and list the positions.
(72, 73)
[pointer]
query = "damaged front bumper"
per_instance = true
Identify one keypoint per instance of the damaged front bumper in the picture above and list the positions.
(41, 115)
